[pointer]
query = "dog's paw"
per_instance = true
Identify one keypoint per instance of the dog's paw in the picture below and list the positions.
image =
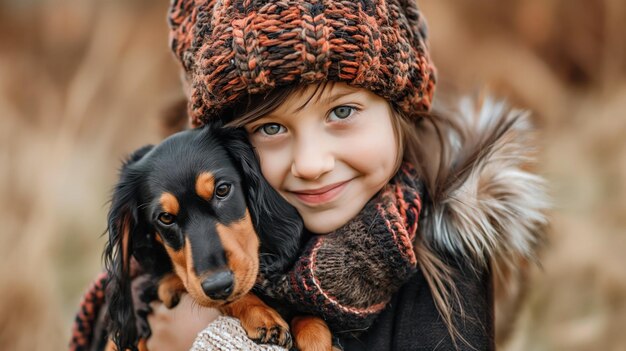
(170, 290)
(266, 326)
(312, 334)
(262, 323)
(170, 299)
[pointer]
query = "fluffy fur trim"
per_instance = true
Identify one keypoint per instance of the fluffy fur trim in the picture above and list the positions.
(488, 206)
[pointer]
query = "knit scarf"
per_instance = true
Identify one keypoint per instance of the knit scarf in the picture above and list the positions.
(348, 276)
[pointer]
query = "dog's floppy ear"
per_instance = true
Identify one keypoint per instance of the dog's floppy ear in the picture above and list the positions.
(123, 225)
(277, 223)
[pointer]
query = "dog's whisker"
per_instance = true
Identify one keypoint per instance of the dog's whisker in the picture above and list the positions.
(195, 306)
(143, 206)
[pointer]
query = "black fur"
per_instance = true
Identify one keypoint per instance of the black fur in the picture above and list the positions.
(173, 165)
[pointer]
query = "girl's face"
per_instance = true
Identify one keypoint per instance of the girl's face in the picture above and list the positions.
(327, 155)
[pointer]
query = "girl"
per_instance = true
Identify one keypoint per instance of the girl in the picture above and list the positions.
(411, 213)
(335, 96)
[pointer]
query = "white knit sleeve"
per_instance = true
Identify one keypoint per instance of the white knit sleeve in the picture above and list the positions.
(226, 333)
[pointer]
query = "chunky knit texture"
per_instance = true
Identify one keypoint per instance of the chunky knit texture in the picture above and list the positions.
(348, 276)
(85, 321)
(231, 48)
(226, 333)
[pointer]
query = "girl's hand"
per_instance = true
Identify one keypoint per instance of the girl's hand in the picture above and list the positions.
(176, 329)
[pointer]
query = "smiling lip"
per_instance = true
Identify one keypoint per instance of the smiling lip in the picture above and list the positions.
(320, 195)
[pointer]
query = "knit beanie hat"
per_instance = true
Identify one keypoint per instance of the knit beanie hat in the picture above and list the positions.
(233, 48)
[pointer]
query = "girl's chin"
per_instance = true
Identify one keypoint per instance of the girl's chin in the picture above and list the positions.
(320, 224)
(326, 222)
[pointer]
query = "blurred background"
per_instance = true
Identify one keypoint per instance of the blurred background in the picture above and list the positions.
(83, 83)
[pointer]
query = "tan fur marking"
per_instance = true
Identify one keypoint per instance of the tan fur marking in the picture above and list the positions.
(183, 266)
(125, 241)
(193, 283)
(238, 308)
(311, 334)
(170, 289)
(241, 244)
(169, 203)
(179, 260)
(205, 185)
(110, 346)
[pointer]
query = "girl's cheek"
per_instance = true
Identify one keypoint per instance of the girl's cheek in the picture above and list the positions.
(273, 163)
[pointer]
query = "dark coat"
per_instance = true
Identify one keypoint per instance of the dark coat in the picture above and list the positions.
(411, 320)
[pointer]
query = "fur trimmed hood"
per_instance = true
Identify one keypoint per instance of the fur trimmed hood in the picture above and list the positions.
(487, 205)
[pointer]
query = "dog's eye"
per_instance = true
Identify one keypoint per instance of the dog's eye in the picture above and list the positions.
(222, 190)
(166, 218)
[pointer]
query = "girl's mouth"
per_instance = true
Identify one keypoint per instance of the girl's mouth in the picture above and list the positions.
(320, 195)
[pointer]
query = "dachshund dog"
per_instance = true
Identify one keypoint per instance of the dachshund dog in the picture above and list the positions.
(196, 213)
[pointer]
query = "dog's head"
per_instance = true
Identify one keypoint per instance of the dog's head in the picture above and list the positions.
(198, 205)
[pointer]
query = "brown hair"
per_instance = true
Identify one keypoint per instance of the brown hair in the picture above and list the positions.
(421, 142)
(425, 146)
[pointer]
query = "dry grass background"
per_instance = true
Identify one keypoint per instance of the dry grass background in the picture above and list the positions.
(82, 83)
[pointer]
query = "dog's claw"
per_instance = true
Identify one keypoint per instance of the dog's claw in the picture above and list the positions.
(261, 333)
(274, 335)
(275, 331)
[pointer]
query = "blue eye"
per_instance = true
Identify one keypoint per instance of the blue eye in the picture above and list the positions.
(342, 112)
(271, 128)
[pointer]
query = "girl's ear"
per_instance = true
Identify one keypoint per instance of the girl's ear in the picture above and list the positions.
(123, 227)
(277, 223)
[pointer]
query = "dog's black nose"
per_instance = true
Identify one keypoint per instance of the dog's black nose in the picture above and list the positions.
(219, 285)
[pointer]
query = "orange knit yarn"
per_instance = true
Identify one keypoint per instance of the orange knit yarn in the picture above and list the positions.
(231, 48)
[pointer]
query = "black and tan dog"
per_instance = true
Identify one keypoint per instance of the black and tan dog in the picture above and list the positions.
(195, 212)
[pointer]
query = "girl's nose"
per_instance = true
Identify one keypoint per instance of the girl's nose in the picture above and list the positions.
(312, 159)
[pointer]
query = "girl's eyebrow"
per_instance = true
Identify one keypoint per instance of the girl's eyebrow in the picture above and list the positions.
(265, 119)
(330, 97)
(334, 97)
